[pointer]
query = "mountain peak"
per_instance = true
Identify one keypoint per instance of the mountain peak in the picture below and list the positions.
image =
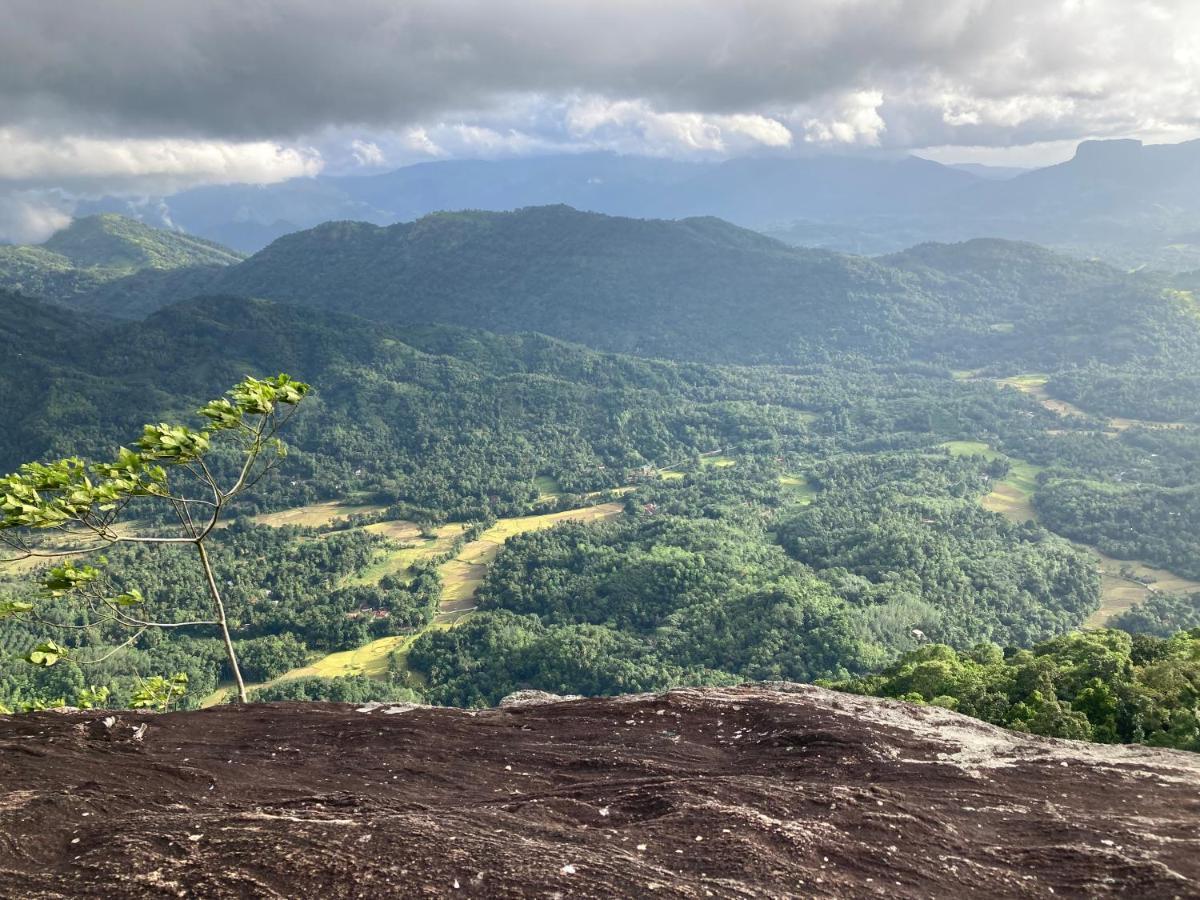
(112, 241)
(1123, 148)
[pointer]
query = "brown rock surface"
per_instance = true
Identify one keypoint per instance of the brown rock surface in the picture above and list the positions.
(742, 792)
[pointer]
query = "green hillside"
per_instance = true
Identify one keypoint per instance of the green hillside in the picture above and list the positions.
(93, 252)
(706, 290)
(439, 424)
(110, 241)
(700, 289)
(788, 521)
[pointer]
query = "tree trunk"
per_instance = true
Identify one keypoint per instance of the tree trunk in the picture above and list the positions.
(224, 622)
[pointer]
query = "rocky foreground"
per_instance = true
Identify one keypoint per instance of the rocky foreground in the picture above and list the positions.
(745, 792)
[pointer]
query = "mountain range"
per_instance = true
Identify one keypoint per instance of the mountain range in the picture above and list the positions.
(1120, 200)
(695, 289)
(818, 509)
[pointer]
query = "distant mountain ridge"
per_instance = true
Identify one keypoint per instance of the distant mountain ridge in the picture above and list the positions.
(1123, 201)
(118, 242)
(696, 289)
(95, 251)
(753, 192)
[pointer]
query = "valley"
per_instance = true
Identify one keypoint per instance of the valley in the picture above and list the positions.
(461, 575)
(1035, 386)
(790, 458)
(584, 449)
(1124, 583)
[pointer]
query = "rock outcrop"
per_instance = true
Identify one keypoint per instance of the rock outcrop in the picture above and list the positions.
(780, 790)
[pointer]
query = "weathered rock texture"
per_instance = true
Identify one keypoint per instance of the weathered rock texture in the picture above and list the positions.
(753, 791)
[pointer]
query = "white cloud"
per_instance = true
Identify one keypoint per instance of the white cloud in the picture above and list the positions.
(849, 120)
(29, 218)
(224, 90)
(146, 164)
(367, 153)
(633, 126)
(418, 141)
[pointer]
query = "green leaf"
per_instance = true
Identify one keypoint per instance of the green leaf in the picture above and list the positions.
(222, 413)
(91, 697)
(68, 577)
(132, 597)
(9, 608)
(158, 692)
(46, 654)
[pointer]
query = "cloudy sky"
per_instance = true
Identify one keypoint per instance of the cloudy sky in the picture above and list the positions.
(142, 98)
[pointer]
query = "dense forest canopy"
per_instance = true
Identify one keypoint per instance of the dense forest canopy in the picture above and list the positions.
(1099, 686)
(699, 289)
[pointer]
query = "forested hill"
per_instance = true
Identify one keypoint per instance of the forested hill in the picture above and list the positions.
(94, 252)
(116, 242)
(703, 289)
(439, 419)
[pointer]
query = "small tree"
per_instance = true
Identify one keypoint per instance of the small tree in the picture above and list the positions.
(64, 509)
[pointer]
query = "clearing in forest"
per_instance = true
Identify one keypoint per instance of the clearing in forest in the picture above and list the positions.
(461, 578)
(547, 486)
(316, 515)
(1123, 583)
(1012, 496)
(799, 487)
(1035, 386)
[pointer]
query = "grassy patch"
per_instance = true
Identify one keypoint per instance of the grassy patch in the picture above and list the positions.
(799, 487)
(1013, 496)
(547, 486)
(369, 659)
(972, 448)
(1026, 382)
(1035, 386)
(316, 514)
(461, 578)
(1125, 583)
(408, 548)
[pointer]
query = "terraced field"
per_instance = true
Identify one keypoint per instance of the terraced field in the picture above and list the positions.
(1035, 386)
(1128, 582)
(462, 576)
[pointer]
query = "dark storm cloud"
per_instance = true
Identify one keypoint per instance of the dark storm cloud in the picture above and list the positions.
(244, 69)
(145, 97)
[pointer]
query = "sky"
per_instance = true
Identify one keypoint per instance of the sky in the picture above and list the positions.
(145, 98)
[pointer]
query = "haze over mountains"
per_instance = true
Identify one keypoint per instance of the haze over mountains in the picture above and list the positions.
(1118, 199)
